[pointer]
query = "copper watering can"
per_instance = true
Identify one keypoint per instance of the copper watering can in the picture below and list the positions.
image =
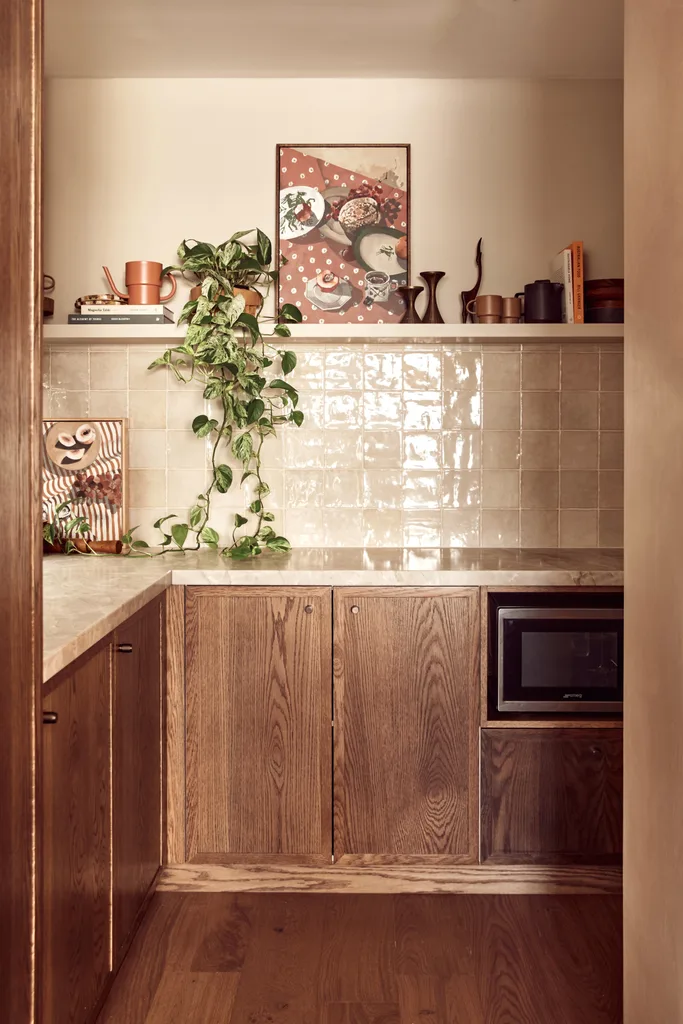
(143, 281)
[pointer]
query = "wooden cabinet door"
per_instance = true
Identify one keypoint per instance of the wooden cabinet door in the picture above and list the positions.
(76, 852)
(136, 767)
(551, 796)
(258, 678)
(406, 669)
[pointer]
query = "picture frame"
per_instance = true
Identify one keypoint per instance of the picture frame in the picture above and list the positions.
(343, 230)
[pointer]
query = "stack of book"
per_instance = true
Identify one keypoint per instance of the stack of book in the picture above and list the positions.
(122, 314)
(568, 270)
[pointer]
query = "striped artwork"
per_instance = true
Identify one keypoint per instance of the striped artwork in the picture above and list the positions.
(84, 467)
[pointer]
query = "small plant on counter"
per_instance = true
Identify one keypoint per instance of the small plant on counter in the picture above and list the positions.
(236, 366)
(66, 533)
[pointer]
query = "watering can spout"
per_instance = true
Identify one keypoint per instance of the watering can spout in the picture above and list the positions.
(143, 280)
(113, 287)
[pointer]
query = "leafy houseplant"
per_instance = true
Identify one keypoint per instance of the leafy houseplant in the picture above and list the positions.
(227, 353)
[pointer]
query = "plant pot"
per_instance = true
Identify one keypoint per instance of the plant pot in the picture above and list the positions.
(252, 298)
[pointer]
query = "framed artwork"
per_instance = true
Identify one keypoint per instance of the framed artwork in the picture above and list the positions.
(343, 226)
(84, 467)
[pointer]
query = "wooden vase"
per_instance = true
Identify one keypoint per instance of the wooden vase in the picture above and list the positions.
(431, 278)
(409, 295)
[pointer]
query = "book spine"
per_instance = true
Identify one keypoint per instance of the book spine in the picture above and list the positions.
(124, 310)
(568, 287)
(75, 318)
(578, 270)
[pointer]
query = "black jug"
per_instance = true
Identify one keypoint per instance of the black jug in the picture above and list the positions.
(542, 302)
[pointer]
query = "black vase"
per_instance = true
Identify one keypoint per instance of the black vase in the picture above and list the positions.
(431, 278)
(409, 295)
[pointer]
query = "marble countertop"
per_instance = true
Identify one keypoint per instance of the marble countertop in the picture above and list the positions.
(85, 597)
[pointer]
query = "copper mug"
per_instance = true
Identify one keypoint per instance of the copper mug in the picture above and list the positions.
(488, 309)
(512, 310)
(143, 280)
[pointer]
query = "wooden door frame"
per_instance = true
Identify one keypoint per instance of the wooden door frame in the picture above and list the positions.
(21, 69)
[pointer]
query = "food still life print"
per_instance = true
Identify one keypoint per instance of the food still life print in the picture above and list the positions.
(344, 230)
(83, 464)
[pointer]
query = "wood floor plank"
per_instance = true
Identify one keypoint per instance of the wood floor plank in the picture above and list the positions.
(434, 935)
(226, 933)
(421, 999)
(186, 997)
(462, 1002)
(362, 1013)
(358, 963)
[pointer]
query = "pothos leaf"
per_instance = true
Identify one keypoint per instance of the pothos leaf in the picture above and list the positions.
(209, 537)
(179, 532)
(255, 410)
(288, 362)
(291, 313)
(297, 417)
(223, 476)
(157, 525)
(240, 520)
(243, 447)
(278, 544)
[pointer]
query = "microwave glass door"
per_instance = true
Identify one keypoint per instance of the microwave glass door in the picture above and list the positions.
(560, 659)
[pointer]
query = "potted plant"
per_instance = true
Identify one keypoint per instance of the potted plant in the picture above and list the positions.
(240, 370)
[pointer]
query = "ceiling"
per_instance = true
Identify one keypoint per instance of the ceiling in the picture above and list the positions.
(334, 38)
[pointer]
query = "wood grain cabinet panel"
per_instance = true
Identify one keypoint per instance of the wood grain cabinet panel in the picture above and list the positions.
(258, 679)
(552, 796)
(406, 669)
(136, 767)
(76, 951)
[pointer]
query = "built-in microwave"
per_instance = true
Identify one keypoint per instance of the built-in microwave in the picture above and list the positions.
(561, 656)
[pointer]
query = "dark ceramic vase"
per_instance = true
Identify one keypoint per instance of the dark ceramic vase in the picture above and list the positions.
(431, 278)
(409, 296)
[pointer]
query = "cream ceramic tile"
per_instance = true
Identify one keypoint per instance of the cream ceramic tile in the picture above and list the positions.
(147, 488)
(579, 410)
(579, 529)
(382, 448)
(383, 371)
(383, 409)
(501, 410)
(109, 369)
(540, 371)
(187, 451)
(540, 449)
(539, 528)
(382, 489)
(304, 448)
(304, 488)
(462, 370)
(272, 453)
(275, 479)
(540, 410)
(611, 489)
(421, 451)
(421, 529)
(343, 449)
(182, 407)
(382, 529)
(500, 528)
(461, 528)
(579, 449)
(144, 519)
(309, 373)
(579, 371)
(343, 528)
(65, 404)
(343, 488)
(540, 489)
(108, 404)
(344, 370)
(45, 369)
(578, 488)
(462, 449)
(462, 409)
(314, 406)
(183, 486)
(501, 371)
(611, 449)
(422, 410)
(461, 490)
(500, 449)
(421, 490)
(500, 488)
(612, 410)
(147, 449)
(611, 528)
(422, 371)
(140, 378)
(611, 371)
(70, 368)
(147, 409)
(304, 527)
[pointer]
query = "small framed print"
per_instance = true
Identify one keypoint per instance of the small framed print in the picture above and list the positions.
(84, 468)
(343, 228)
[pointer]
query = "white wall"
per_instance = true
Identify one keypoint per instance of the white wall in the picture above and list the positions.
(133, 166)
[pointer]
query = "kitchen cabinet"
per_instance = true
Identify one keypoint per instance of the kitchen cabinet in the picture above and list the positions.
(136, 767)
(406, 670)
(76, 848)
(258, 720)
(551, 796)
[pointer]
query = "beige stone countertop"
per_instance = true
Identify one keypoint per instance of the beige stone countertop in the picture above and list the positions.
(86, 597)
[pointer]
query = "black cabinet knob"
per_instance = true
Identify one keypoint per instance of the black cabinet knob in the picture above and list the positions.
(124, 648)
(50, 717)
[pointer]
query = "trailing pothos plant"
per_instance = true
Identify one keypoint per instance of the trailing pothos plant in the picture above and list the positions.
(243, 372)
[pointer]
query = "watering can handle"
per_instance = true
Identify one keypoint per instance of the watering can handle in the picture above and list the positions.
(113, 287)
(166, 298)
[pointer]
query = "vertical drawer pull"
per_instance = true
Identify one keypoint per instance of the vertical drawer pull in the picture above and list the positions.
(124, 648)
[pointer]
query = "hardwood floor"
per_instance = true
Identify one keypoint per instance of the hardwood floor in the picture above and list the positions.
(223, 958)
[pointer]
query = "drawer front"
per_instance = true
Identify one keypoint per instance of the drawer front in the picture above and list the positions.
(551, 796)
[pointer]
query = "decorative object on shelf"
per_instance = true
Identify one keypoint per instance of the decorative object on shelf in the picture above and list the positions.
(467, 297)
(604, 299)
(108, 299)
(542, 302)
(116, 313)
(431, 278)
(512, 310)
(344, 220)
(409, 296)
(84, 477)
(48, 302)
(487, 308)
(144, 283)
(228, 355)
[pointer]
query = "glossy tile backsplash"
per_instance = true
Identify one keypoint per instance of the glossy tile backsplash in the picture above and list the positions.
(512, 446)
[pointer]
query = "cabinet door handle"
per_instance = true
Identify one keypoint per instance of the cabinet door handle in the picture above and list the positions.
(50, 717)
(354, 609)
(124, 648)
(596, 751)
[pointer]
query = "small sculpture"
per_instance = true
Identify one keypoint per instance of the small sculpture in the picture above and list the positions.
(468, 297)
(432, 314)
(409, 295)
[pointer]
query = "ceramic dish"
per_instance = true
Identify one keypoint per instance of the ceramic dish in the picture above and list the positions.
(301, 210)
(375, 249)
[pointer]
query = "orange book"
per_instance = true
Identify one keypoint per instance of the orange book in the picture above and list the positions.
(578, 278)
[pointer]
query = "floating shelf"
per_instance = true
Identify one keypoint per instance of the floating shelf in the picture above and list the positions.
(351, 334)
